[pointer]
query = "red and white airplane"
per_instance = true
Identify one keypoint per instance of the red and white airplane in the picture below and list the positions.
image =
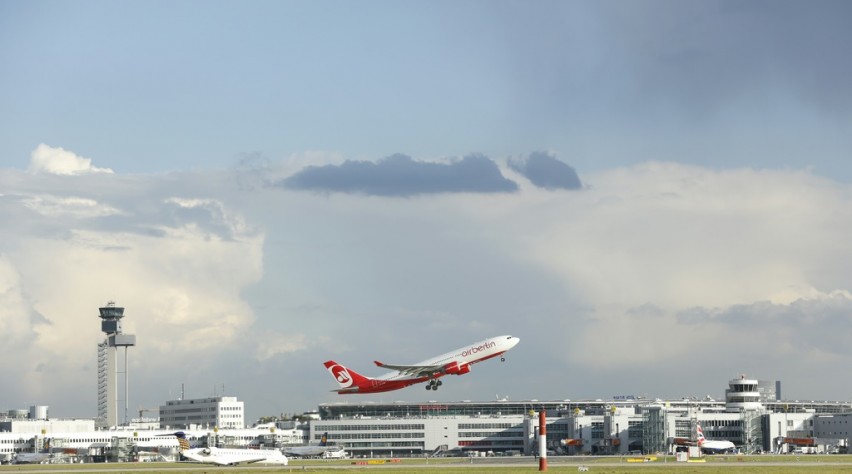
(713, 445)
(706, 445)
(457, 362)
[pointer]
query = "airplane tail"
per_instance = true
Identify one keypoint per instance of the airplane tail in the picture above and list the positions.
(182, 441)
(700, 433)
(348, 379)
(324, 439)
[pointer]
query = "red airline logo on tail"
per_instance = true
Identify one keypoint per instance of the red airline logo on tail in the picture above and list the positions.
(341, 375)
(457, 362)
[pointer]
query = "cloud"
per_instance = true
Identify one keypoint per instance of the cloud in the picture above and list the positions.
(15, 327)
(400, 175)
(54, 206)
(809, 325)
(705, 55)
(545, 171)
(209, 215)
(47, 159)
(175, 257)
(646, 267)
(271, 344)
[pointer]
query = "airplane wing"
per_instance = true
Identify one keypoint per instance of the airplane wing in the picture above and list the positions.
(237, 460)
(413, 370)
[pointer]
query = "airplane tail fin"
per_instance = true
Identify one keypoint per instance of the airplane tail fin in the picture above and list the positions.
(324, 439)
(348, 379)
(700, 433)
(182, 441)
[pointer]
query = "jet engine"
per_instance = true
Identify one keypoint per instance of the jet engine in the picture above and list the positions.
(454, 368)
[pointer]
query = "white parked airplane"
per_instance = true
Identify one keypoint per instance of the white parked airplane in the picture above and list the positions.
(457, 362)
(229, 456)
(31, 458)
(316, 450)
(713, 445)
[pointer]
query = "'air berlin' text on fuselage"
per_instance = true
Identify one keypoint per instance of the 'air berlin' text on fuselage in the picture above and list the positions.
(480, 348)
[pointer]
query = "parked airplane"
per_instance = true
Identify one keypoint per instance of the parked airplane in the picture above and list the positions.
(229, 456)
(31, 458)
(457, 362)
(315, 450)
(713, 445)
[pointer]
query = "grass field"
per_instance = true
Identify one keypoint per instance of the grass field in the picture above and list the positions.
(829, 464)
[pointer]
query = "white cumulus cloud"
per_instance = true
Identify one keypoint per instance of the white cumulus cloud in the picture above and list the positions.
(54, 206)
(636, 273)
(57, 160)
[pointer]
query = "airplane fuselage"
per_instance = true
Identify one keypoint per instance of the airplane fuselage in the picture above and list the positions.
(713, 445)
(230, 456)
(455, 362)
(310, 451)
(717, 445)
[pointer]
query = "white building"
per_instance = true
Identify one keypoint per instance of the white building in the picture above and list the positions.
(46, 426)
(370, 437)
(124, 445)
(219, 412)
(752, 417)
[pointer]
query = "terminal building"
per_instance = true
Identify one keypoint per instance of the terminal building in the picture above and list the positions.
(752, 416)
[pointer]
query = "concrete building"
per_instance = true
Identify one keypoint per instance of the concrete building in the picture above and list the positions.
(370, 437)
(833, 431)
(46, 426)
(219, 412)
(751, 417)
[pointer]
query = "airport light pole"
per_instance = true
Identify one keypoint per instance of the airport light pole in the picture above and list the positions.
(542, 440)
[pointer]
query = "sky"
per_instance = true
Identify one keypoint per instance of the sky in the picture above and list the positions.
(655, 196)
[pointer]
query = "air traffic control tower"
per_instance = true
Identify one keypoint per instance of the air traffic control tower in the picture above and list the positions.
(108, 366)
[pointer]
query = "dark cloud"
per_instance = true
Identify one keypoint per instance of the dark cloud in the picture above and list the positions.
(818, 324)
(646, 310)
(705, 53)
(545, 171)
(400, 175)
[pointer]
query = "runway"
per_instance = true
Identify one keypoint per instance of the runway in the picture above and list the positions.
(474, 465)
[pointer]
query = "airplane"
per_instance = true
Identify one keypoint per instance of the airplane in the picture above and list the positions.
(713, 445)
(457, 362)
(229, 456)
(31, 458)
(315, 450)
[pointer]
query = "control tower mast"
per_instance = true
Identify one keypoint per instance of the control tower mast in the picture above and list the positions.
(111, 316)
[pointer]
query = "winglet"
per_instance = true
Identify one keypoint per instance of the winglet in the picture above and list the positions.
(378, 363)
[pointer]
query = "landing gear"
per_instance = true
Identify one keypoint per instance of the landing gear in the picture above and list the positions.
(434, 384)
(502, 359)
